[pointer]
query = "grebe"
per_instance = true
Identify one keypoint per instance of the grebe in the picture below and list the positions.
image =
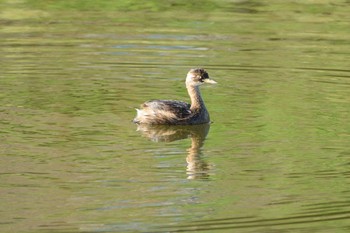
(173, 112)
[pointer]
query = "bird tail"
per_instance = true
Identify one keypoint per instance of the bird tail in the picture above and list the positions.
(139, 115)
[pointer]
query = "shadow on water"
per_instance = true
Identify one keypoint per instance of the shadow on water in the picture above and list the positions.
(196, 167)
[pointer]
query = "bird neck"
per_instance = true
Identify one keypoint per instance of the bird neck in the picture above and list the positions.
(197, 102)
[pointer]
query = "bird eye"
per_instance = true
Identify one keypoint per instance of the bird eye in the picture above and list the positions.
(204, 76)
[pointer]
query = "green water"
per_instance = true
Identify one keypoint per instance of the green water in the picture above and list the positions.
(275, 158)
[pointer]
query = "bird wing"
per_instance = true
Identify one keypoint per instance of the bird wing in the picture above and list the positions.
(178, 108)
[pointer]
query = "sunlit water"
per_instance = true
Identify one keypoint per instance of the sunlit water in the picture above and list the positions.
(275, 158)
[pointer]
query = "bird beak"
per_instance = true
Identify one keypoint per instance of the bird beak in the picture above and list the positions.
(210, 81)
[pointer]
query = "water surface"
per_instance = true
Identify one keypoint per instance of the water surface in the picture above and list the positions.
(275, 158)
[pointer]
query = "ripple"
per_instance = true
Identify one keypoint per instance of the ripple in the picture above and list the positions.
(254, 222)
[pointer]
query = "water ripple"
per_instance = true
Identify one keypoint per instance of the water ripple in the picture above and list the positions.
(253, 222)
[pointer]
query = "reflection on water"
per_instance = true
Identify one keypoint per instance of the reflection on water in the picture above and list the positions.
(196, 167)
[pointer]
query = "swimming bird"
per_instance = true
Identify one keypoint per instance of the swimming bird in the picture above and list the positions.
(174, 112)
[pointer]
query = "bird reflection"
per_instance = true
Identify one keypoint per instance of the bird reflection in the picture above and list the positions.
(196, 167)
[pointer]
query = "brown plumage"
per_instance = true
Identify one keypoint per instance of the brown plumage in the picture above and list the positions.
(173, 112)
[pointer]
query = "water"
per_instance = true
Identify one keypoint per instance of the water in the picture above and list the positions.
(275, 159)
